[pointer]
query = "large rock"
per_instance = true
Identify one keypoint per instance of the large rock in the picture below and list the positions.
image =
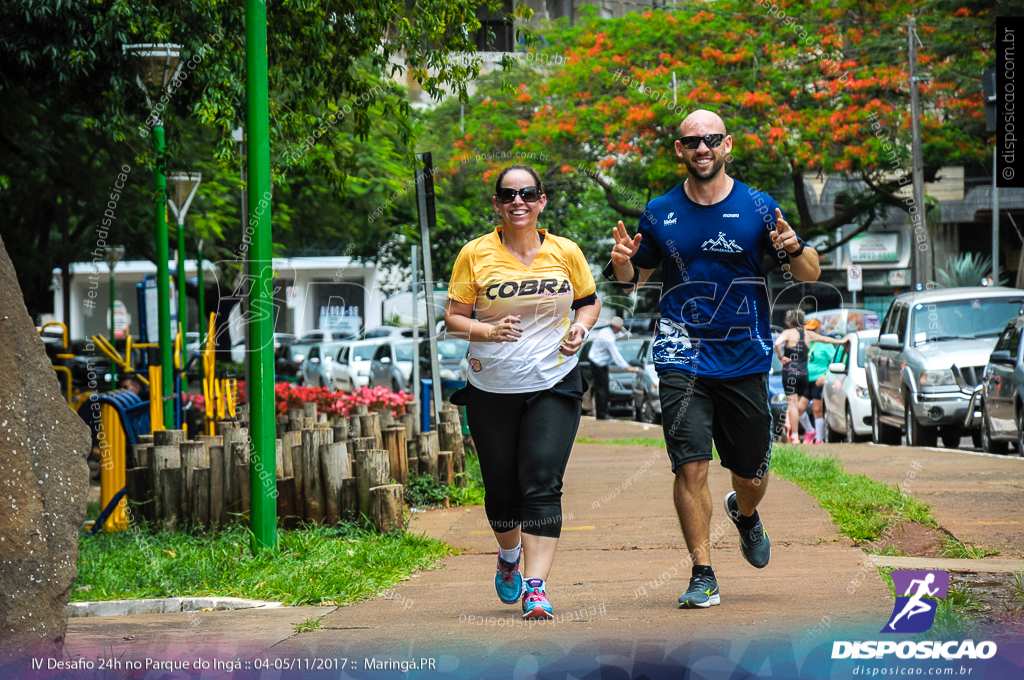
(44, 481)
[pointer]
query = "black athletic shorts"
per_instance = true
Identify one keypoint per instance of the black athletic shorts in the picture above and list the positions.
(794, 383)
(733, 413)
(814, 390)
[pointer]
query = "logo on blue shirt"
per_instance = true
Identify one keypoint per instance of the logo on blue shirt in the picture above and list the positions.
(721, 245)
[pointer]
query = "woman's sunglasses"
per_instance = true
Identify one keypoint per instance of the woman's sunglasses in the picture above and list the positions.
(712, 141)
(507, 195)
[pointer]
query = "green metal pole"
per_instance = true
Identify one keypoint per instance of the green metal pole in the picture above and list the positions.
(113, 364)
(182, 303)
(202, 306)
(163, 279)
(260, 390)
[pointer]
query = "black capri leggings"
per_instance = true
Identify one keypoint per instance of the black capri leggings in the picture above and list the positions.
(523, 440)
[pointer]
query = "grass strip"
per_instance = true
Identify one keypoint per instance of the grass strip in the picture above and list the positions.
(315, 565)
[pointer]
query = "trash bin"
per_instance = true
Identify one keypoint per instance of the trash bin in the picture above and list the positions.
(448, 388)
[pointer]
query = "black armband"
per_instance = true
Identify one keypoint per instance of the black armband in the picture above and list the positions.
(584, 301)
(609, 273)
(799, 251)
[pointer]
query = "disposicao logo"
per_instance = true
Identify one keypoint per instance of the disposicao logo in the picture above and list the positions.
(912, 613)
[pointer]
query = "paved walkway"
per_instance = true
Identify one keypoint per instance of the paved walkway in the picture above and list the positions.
(620, 567)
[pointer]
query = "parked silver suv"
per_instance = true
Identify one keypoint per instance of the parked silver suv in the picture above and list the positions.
(931, 353)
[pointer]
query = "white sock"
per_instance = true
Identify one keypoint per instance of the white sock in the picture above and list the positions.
(805, 420)
(819, 429)
(512, 554)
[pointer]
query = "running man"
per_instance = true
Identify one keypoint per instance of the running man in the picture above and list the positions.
(526, 301)
(713, 348)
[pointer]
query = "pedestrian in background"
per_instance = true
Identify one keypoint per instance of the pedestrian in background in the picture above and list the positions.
(603, 352)
(818, 358)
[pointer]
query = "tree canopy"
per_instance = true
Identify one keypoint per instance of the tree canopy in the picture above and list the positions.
(799, 85)
(74, 115)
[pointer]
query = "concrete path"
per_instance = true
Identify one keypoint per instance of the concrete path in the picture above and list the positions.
(620, 568)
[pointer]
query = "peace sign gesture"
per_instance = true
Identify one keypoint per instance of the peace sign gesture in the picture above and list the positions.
(625, 247)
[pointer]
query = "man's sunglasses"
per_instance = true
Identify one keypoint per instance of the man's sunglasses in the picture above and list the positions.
(507, 195)
(712, 141)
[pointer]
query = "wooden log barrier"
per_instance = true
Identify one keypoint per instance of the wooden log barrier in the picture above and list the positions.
(449, 438)
(140, 492)
(170, 495)
(386, 507)
(242, 472)
(398, 456)
(218, 511)
(445, 470)
(193, 455)
(200, 496)
(369, 426)
(297, 474)
(428, 448)
(312, 481)
(349, 499)
(286, 509)
(163, 458)
(289, 442)
(373, 471)
(334, 468)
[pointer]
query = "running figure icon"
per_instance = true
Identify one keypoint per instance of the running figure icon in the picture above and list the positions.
(915, 586)
(914, 604)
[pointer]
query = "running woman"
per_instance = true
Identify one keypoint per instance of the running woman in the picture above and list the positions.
(525, 300)
(713, 348)
(792, 347)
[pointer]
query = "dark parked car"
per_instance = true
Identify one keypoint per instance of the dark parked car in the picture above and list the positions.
(999, 394)
(620, 380)
(931, 351)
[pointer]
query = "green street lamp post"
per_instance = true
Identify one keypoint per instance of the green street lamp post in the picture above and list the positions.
(156, 65)
(112, 254)
(182, 189)
(262, 418)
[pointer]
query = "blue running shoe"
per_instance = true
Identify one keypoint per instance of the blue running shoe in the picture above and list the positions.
(535, 601)
(702, 593)
(508, 581)
(754, 543)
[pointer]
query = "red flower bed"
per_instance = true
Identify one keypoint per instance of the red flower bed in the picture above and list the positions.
(288, 396)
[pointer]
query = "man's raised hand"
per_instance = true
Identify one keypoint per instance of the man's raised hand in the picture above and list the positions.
(784, 236)
(625, 247)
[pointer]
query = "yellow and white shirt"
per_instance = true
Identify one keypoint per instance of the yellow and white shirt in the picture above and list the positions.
(497, 284)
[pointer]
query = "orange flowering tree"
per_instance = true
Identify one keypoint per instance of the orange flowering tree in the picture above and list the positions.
(804, 86)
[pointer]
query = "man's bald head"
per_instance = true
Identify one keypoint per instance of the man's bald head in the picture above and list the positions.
(702, 122)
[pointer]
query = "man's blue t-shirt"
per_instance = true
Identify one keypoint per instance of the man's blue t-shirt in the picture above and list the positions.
(714, 302)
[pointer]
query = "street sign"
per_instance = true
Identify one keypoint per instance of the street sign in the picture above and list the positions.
(854, 278)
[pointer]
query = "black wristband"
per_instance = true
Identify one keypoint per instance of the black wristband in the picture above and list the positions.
(799, 251)
(609, 273)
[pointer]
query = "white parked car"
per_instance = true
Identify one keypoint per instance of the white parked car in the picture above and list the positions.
(391, 366)
(846, 397)
(318, 366)
(357, 357)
